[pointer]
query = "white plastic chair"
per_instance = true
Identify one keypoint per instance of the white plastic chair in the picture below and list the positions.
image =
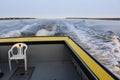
(20, 53)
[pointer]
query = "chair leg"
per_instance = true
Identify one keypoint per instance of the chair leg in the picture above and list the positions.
(25, 60)
(10, 65)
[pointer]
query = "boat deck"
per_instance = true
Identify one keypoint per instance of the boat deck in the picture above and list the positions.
(54, 58)
(46, 71)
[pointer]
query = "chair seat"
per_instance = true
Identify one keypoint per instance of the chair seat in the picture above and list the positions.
(17, 57)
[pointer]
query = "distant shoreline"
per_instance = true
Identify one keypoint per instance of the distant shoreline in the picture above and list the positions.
(94, 18)
(15, 18)
(63, 18)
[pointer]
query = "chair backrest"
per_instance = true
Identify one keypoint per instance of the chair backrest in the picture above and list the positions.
(21, 48)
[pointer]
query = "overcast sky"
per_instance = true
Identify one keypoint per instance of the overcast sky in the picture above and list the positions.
(59, 8)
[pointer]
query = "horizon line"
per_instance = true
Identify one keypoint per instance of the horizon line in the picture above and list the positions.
(97, 18)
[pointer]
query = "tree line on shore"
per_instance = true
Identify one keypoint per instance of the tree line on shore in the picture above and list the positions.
(14, 18)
